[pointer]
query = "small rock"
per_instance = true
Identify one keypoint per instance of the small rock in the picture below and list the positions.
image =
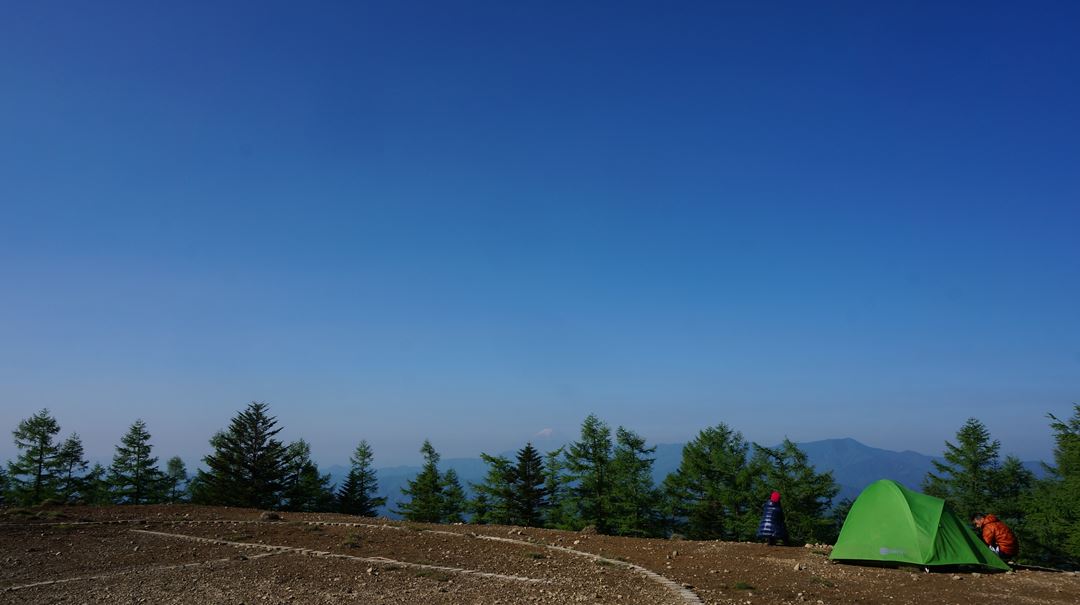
(956, 577)
(798, 567)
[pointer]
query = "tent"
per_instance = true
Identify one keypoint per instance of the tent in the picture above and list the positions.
(889, 523)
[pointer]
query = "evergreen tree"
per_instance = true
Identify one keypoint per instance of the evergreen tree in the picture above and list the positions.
(1010, 486)
(710, 495)
(635, 501)
(36, 460)
(305, 489)
(3, 487)
(248, 465)
(94, 487)
(528, 496)
(1052, 527)
(493, 501)
(70, 464)
(966, 477)
(134, 476)
(559, 513)
(588, 462)
(807, 494)
(426, 500)
(176, 479)
(454, 499)
(357, 494)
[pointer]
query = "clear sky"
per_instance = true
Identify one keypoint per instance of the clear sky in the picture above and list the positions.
(476, 222)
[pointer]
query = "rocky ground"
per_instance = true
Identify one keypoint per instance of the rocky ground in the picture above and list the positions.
(188, 554)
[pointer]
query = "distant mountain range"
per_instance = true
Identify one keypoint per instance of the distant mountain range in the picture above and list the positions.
(854, 466)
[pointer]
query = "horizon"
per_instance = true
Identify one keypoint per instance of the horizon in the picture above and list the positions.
(479, 223)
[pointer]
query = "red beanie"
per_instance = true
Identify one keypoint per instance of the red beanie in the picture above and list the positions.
(775, 497)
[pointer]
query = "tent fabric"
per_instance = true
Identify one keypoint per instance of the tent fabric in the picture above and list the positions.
(890, 523)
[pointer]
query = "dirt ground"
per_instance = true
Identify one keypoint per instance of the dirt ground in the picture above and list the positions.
(188, 554)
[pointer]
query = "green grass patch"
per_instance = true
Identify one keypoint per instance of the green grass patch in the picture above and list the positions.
(352, 540)
(535, 555)
(742, 586)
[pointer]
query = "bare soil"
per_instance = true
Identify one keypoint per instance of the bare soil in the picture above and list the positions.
(189, 554)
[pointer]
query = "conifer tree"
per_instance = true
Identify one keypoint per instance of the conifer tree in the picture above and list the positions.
(1052, 527)
(807, 495)
(454, 500)
(588, 462)
(966, 477)
(70, 463)
(493, 501)
(559, 513)
(94, 487)
(357, 493)
(635, 501)
(305, 489)
(3, 487)
(248, 465)
(1010, 485)
(425, 491)
(134, 476)
(36, 460)
(176, 479)
(528, 496)
(709, 495)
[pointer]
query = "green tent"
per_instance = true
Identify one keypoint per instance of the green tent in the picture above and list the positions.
(892, 524)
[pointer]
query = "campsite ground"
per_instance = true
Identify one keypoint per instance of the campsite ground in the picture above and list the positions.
(187, 554)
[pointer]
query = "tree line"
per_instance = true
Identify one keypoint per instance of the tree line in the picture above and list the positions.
(1045, 513)
(248, 467)
(603, 481)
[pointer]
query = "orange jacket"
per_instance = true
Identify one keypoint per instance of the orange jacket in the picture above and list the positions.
(996, 533)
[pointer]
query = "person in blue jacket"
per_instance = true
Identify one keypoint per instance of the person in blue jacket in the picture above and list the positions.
(772, 526)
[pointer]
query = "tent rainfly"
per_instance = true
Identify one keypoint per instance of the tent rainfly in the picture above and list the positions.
(889, 523)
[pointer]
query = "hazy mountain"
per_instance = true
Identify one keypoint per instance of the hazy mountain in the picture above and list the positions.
(854, 466)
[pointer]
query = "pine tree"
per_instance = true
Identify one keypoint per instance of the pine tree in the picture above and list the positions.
(966, 477)
(36, 460)
(3, 487)
(807, 494)
(134, 476)
(305, 489)
(357, 494)
(454, 500)
(94, 487)
(248, 465)
(635, 501)
(70, 463)
(176, 478)
(1010, 486)
(425, 491)
(528, 495)
(588, 462)
(1052, 525)
(709, 496)
(493, 501)
(559, 514)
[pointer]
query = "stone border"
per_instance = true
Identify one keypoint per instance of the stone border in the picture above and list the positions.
(330, 555)
(134, 571)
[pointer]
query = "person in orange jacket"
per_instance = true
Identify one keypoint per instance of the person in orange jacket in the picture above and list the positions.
(997, 535)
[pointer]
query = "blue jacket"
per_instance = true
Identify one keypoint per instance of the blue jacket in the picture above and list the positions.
(772, 522)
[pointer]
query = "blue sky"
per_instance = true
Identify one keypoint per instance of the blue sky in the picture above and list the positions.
(477, 222)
